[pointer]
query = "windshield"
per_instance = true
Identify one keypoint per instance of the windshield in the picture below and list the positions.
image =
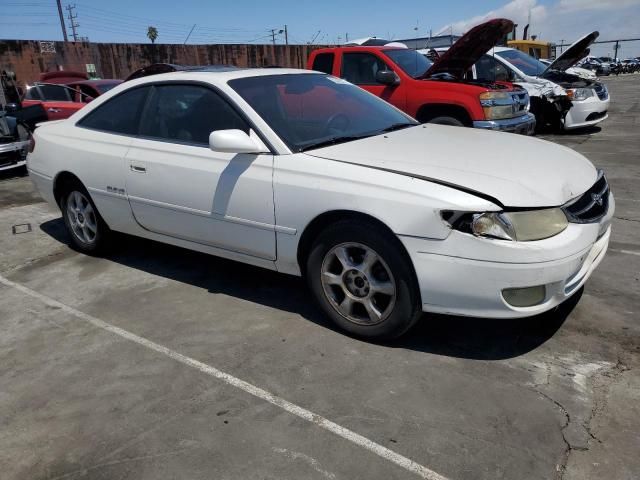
(523, 62)
(413, 63)
(313, 110)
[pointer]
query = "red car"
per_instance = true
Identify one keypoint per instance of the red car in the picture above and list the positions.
(438, 92)
(64, 93)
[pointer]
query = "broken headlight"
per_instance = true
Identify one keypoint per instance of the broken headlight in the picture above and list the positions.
(578, 94)
(520, 226)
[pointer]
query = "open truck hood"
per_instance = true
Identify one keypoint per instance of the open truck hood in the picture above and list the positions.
(509, 170)
(573, 54)
(469, 48)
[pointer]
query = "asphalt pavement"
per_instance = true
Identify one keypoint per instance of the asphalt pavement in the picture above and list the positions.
(157, 362)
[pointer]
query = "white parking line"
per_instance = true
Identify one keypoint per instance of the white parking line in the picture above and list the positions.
(627, 252)
(301, 412)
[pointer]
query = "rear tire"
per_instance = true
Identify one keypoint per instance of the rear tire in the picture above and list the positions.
(88, 232)
(363, 280)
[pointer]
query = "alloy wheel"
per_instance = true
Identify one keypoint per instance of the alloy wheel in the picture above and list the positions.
(82, 217)
(358, 283)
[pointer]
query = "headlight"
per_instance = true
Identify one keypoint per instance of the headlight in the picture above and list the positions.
(524, 226)
(578, 94)
(498, 105)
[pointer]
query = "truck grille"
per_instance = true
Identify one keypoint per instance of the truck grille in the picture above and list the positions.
(602, 91)
(520, 102)
(591, 206)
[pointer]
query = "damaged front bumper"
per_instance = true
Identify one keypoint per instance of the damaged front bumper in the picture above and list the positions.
(525, 124)
(13, 154)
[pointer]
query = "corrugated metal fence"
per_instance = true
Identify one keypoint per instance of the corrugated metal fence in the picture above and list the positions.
(29, 58)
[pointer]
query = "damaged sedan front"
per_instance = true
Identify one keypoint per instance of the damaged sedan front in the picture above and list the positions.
(558, 99)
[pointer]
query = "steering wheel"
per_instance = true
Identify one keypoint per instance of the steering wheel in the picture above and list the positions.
(337, 121)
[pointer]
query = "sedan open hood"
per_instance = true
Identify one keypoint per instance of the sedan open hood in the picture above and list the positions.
(470, 47)
(510, 170)
(573, 54)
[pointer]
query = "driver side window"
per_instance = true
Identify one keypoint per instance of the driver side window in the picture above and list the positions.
(361, 68)
(187, 114)
(490, 69)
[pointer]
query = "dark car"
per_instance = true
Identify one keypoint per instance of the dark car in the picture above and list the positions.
(14, 141)
(595, 65)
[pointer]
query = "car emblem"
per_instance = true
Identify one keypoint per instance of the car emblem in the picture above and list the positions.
(597, 198)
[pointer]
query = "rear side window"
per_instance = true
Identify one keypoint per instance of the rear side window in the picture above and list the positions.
(323, 63)
(121, 114)
(187, 114)
(33, 94)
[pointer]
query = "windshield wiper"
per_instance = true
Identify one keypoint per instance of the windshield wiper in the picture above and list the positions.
(334, 141)
(398, 126)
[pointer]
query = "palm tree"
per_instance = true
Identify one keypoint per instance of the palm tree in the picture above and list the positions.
(152, 33)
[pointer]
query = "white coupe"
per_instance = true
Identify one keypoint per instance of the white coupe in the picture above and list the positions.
(306, 174)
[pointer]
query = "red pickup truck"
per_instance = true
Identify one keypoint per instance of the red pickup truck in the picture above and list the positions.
(440, 92)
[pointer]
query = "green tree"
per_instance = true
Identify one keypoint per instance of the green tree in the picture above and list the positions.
(152, 33)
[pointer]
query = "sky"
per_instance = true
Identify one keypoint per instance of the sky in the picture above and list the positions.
(326, 21)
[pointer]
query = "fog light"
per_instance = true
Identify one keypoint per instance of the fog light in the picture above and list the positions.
(524, 297)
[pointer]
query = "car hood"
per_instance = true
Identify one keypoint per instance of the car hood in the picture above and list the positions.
(539, 87)
(582, 73)
(573, 54)
(458, 59)
(510, 170)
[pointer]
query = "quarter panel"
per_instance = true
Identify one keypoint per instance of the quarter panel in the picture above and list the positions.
(96, 158)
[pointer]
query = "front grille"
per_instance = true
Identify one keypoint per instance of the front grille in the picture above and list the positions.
(520, 102)
(602, 91)
(591, 206)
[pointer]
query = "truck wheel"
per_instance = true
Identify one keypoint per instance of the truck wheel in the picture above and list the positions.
(88, 231)
(444, 120)
(361, 279)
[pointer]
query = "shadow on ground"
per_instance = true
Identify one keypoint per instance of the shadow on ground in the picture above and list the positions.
(462, 337)
(16, 172)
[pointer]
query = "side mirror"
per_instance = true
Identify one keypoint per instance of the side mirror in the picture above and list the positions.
(87, 99)
(387, 77)
(233, 141)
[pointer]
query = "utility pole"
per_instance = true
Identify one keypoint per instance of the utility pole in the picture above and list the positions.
(190, 32)
(274, 32)
(615, 57)
(346, 37)
(72, 20)
(64, 28)
(286, 36)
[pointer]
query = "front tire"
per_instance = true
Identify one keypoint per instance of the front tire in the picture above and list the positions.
(446, 120)
(87, 230)
(363, 280)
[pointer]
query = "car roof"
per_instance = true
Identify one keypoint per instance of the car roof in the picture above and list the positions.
(363, 47)
(219, 75)
(104, 81)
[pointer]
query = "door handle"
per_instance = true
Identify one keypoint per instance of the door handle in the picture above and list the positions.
(138, 169)
(53, 110)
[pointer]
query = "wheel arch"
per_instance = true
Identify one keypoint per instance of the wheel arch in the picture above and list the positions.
(322, 221)
(432, 110)
(62, 180)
